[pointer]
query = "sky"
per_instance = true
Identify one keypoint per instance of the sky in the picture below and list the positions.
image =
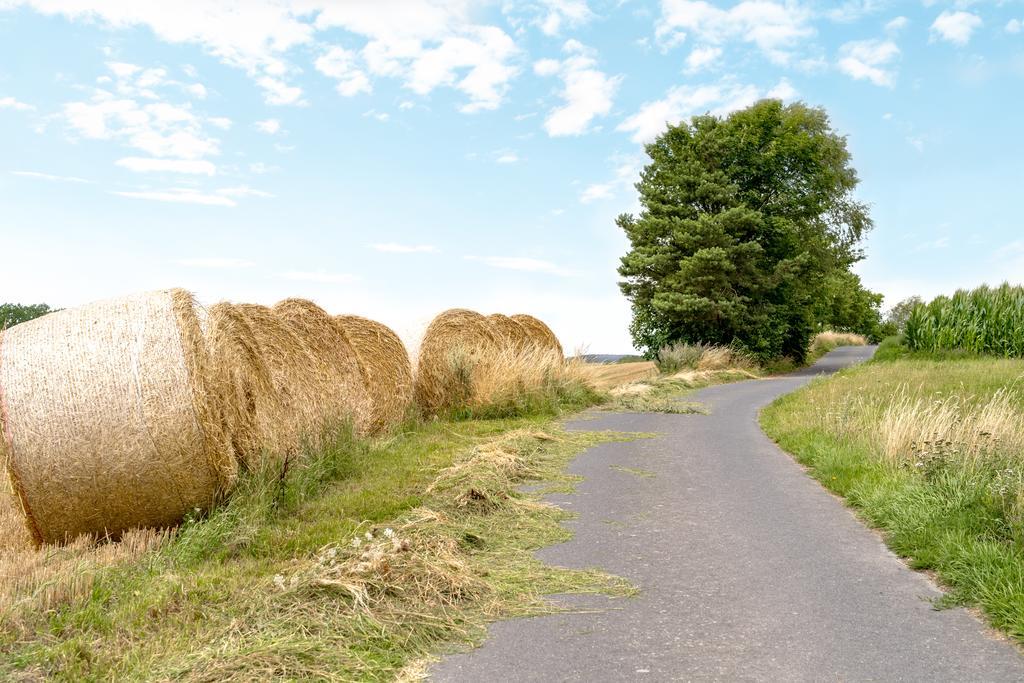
(397, 158)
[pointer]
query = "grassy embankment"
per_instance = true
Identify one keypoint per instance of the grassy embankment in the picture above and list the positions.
(930, 450)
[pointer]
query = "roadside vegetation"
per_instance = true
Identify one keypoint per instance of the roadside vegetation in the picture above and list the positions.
(929, 448)
(370, 557)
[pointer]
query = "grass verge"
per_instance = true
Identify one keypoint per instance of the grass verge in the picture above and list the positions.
(930, 452)
(357, 565)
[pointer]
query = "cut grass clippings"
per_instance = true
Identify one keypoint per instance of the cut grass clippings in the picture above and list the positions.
(895, 439)
(368, 559)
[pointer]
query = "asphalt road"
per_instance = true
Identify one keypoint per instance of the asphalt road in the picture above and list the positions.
(748, 569)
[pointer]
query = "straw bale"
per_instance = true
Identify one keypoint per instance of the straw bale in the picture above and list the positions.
(108, 418)
(453, 345)
(385, 368)
(241, 376)
(332, 383)
(540, 333)
(510, 332)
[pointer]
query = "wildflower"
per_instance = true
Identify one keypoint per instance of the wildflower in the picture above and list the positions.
(279, 582)
(356, 542)
(369, 536)
(389, 533)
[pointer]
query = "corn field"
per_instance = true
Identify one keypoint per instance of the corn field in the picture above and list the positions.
(988, 320)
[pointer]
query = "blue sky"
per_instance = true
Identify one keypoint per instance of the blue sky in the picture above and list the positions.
(394, 159)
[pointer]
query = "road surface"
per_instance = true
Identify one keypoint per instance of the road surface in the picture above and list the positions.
(748, 569)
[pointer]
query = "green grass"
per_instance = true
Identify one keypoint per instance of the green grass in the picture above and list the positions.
(959, 517)
(271, 585)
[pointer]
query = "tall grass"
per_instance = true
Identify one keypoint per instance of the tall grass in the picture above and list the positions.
(512, 382)
(682, 356)
(932, 452)
(985, 320)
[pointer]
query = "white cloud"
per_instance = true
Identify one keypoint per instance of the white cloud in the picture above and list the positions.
(50, 177)
(783, 90)
(425, 43)
(406, 104)
(381, 116)
(260, 168)
(627, 168)
(268, 126)
(869, 60)
(773, 27)
(242, 191)
(222, 122)
(319, 276)
(341, 65)
(278, 92)
(587, 92)
(507, 158)
(701, 57)
(955, 27)
(395, 248)
(215, 262)
(179, 195)
(158, 128)
(144, 165)
(597, 191)
(11, 103)
(522, 263)
(1014, 26)
(683, 101)
(197, 90)
(896, 25)
(559, 13)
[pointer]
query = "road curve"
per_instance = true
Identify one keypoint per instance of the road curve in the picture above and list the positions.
(748, 569)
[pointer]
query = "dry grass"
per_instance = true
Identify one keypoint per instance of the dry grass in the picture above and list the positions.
(824, 342)
(608, 376)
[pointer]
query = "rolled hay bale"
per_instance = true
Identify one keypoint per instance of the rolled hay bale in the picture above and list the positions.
(539, 333)
(332, 384)
(385, 368)
(512, 334)
(241, 376)
(109, 421)
(455, 345)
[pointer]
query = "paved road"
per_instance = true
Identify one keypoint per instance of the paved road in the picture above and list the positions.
(748, 570)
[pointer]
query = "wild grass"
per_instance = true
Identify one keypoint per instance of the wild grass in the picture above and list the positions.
(931, 452)
(364, 560)
(823, 342)
(683, 356)
(505, 382)
(985, 320)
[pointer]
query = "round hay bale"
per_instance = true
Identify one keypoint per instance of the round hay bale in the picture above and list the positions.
(109, 421)
(334, 387)
(453, 345)
(384, 364)
(242, 378)
(539, 333)
(510, 332)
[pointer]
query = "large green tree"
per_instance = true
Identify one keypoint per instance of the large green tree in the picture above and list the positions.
(12, 314)
(743, 219)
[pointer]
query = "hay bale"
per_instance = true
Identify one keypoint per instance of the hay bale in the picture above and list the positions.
(252, 409)
(512, 334)
(453, 346)
(108, 418)
(332, 384)
(539, 333)
(385, 368)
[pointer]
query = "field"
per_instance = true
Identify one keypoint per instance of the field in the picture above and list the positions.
(930, 451)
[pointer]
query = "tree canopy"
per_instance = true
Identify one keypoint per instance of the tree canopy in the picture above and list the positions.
(12, 314)
(744, 219)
